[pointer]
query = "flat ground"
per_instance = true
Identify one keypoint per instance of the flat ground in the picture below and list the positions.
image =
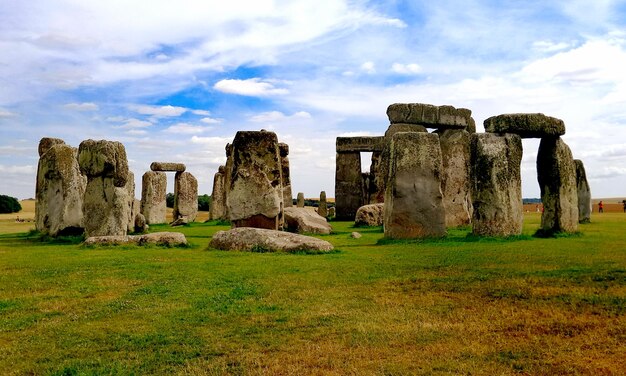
(456, 306)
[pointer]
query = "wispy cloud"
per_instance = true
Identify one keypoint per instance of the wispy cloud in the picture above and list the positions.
(273, 116)
(410, 68)
(251, 87)
(158, 111)
(186, 128)
(86, 106)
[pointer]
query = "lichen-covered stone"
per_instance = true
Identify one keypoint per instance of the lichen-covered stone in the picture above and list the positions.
(428, 115)
(455, 182)
(264, 240)
(526, 125)
(496, 184)
(584, 193)
(46, 143)
(305, 221)
(322, 209)
(105, 207)
(255, 194)
(284, 162)
(370, 215)
(153, 197)
(185, 197)
(413, 201)
(59, 191)
(168, 166)
(104, 158)
(556, 173)
(218, 196)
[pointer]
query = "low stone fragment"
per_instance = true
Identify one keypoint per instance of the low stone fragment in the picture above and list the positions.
(370, 215)
(428, 115)
(526, 125)
(167, 239)
(140, 225)
(168, 166)
(305, 221)
(264, 240)
(356, 235)
(331, 212)
(584, 193)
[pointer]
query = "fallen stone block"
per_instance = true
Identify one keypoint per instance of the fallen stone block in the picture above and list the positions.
(262, 240)
(168, 239)
(305, 221)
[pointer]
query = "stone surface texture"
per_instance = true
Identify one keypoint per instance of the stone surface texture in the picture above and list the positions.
(264, 240)
(46, 143)
(255, 194)
(322, 209)
(584, 193)
(413, 205)
(370, 215)
(556, 173)
(455, 182)
(428, 115)
(217, 210)
(526, 125)
(60, 188)
(130, 197)
(185, 197)
(496, 184)
(284, 163)
(305, 221)
(153, 196)
(167, 239)
(168, 167)
(105, 159)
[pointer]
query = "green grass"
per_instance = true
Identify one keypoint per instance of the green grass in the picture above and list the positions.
(460, 305)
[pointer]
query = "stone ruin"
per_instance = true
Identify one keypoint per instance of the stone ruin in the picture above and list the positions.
(454, 176)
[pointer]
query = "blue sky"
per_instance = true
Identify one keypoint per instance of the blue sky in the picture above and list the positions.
(174, 81)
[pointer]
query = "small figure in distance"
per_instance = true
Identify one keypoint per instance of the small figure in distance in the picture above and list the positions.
(600, 207)
(624, 203)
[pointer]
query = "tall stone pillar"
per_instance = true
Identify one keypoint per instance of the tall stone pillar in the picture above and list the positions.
(323, 206)
(284, 162)
(584, 193)
(556, 173)
(455, 182)
(300, 200)
(348, 185)
(218, 195)
(496, 184)
(153, 201)
(185, 197)
(413, 200)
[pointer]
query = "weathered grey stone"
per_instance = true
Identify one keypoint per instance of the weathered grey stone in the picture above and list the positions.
(185, 197)
(356, 235)
(496, 184)
(140, 225)
(348, 185)
(46, 143)
(59, 191)
(383, 168)
(440, 117)
(359, 144)
(263, 240)
(373, 181)
(168, 166)
(584, 193)
(455, 182)
(255, 194)
(153, 197)
(300, 200)
(305, 221)
(322, 209)
(370, 215)
(228, 172)
(104, 158)
(284, 162)
(526, 125)
(130, 195)
(167, 239)
(413, 201)
(556, 173)
(218, 196)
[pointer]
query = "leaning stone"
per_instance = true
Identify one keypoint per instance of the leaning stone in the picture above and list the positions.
(263, 240)
(168, 166)
(185, 197)
(496, 184)
(47, 142)
(322, 209)
(305, 221)
(455, 182)
(440, 117)
(59, 192)
(300, 200)
(584, 193)
(526, 125)
(167, 239)
(413, 201)
(153, 196)
(370, 215)
(218, 196)
(104, 158)
(556, 173)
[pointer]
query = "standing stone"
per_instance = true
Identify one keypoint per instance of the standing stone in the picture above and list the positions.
(228, 176)
(322, 209)
(373, 182)
(348, 185)
(556, 173)
(105, 204)
(59, 190)
(284, 162)
(255, 193)
(455, 182)
(496, 184)
(218, 196)
(413, 205)
(300, 201)
(584, 193)
(153, 197)
(185, 197)
(132, 208)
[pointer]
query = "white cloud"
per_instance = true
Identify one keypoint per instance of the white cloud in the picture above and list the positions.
(274, 116)
(368, 67)
(406, 68)
(201, 112)
(217, 142)
(86, 106)
(253, 87)
(133, 123)
(186, 128)
(549, 46)
(158, 111)
(209, 120)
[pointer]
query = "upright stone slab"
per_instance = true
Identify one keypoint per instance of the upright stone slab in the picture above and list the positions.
(105, 205)
(322, 209)
(300, 200)
(584, 193)
(59, 190)
(130, 196)
(168, 167)
(228, 173)
(556, 173)
(185, 197)
(348, 185)
(455, 182)
(218, 196)
(153, 197)
(255, 194)
(413, 200)
(496, 184)
(526, 125)
(284, 162)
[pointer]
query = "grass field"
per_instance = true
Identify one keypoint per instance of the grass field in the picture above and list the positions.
(457, 306)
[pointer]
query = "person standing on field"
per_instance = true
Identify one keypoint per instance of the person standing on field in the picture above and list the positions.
(600, 207)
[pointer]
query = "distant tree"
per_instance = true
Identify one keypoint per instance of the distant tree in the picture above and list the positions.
(169, 200)
(9, 204)
(204, 202)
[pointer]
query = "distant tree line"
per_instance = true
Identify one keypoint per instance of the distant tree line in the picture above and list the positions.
(9, 204)
(312, 202)
(204, 201)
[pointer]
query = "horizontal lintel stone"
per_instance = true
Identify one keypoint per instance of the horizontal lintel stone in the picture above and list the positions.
(359, 144)
(168, 166)
(526, 125)
(431, 116)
